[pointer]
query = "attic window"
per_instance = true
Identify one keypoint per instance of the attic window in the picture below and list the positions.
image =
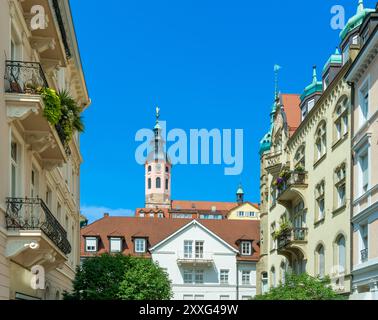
(310, 105)
(91, 244)
(246, 248)
(115, 244)
(140, 245)
(213, 209)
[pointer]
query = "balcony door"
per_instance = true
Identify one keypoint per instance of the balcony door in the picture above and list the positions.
(15, 169)
(34, 183)
(198, 249)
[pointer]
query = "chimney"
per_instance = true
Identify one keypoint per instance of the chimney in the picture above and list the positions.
(106, 215)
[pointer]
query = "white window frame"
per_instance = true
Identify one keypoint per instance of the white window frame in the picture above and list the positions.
(366, 85)
(113, 241)
(91, 248)
(224, 276)
(246, 277)
(199, 276)
(137, 243)
(246, 251)
(188, 249)
(364, 151)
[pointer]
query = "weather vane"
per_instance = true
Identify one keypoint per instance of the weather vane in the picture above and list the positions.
(276, 69)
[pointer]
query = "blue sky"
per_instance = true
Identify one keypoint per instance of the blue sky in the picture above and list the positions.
(207, 64)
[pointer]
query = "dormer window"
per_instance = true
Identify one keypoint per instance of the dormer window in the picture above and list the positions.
(140, 245)
(310, 104)
(91, 244)
(246, 248)
(115, 244)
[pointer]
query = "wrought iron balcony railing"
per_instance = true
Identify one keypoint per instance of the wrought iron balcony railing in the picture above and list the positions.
(33, 214)
(296, 234)
(24, 77)
(293, 179)
(364, 255)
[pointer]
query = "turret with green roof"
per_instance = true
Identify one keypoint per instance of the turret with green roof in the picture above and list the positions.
(315, 87)
(356, 20)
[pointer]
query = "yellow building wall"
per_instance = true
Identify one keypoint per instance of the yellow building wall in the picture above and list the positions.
(246, 207)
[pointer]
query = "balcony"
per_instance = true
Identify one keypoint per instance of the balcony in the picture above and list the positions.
(364, 255)
(291, 186)
(25, 107)
(293, 242)
(35, 235)
(203, 259)
(273, 159)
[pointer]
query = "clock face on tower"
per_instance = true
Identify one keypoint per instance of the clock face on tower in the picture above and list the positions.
(158, 167)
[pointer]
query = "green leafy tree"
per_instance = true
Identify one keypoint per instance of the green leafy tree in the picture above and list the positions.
(145, 280)
(302, 287)
(99, 277)
(116, 277)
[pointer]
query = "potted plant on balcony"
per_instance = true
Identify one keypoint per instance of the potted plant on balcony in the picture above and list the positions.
(285, 229)
(71, 119)
(300, 174)
(282, 179)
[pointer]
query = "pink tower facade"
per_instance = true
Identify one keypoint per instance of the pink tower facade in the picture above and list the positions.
(158, 172)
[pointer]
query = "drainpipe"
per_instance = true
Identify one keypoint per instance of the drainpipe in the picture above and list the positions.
(237, 280)
(352, 96)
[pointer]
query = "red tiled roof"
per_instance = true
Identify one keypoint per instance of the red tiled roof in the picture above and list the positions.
(291, 103)
(206, 205)
(159, 229)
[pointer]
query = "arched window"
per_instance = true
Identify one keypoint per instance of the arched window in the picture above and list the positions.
(158, 183)
(273, 277)
(320, 261)
(341, 254)
(149, 183)
(320, 141)
(264, 282)
(57, 295)
(299, 159)
(166, 169)
(166, 184)
(277, 144)
(341, 119)
(149, 169)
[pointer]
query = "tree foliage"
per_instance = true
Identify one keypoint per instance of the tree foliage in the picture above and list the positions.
(145, 281)
(114, 277)
(302, 287)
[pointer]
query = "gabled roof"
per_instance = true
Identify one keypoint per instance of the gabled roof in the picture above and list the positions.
(187, 226)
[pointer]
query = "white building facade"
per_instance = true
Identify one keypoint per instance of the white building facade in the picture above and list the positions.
(202, 266)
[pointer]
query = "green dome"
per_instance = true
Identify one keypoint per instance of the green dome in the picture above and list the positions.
(335, 58)
(315, 86)
(356, 20)
(240, 190)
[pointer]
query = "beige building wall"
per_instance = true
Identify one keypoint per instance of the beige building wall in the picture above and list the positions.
(234, 214)
(57, 172)
(300, 253)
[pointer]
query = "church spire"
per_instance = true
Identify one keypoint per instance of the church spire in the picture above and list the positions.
(158, 170)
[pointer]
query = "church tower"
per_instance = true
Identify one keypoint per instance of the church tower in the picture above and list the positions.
(157, 172)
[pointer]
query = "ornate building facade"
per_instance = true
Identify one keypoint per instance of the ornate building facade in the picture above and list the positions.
(39, 162)
(306, 173)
